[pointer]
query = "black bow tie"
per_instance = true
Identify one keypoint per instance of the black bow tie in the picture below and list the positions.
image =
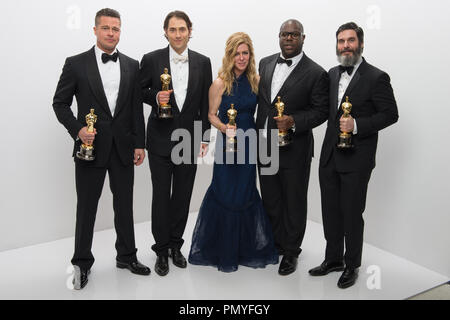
(343, 69)
(281, 60)
(106, 57)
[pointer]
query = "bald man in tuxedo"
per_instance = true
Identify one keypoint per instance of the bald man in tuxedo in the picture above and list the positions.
(302, 86)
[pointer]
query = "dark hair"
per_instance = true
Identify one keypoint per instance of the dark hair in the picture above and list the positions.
(180, 15)
(106, 12)
(352, 26)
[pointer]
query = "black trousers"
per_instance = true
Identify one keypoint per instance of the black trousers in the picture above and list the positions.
(343, 197)
(284, 197)
(172, 191)
(89, 185)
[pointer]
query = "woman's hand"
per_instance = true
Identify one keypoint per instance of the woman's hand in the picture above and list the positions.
(230, 131)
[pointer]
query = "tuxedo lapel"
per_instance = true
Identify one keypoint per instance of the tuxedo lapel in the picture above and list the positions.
(351, 85)
(355, 80)
(270, 69)
(124, 83)
(193, 71)
(95, 81)
(334, 87)
(165, 63)
(299, 72)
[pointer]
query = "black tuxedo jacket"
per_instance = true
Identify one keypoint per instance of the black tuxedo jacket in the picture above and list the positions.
(195, 107)
(126, 128)
(373, 108)
(305, 95)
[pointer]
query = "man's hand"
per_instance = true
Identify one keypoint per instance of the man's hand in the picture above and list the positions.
(203, 150)
(285, 122)
(87, 137)
(139, 156)
(347, 124)
(164, 97)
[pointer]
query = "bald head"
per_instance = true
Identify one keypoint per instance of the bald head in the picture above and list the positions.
(291, 38)
(297, 24)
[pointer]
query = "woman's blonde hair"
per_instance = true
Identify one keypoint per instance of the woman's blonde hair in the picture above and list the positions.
(226, 71)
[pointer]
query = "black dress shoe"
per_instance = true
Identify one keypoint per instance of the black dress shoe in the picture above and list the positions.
(178, 258)
(162, 265)
(80, 278)
(326, 267)
(135, 267)
(348, 278)
(288, 265)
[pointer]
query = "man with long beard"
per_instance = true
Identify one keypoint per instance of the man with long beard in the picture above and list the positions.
(344, 173)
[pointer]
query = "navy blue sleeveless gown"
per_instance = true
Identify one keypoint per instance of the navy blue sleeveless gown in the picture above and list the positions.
(232, 227)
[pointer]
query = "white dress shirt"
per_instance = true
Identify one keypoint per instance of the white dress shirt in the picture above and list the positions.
(280, 74)
(343, 85)
(179, 69)
(110, 75)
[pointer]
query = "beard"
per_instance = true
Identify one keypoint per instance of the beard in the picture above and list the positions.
(349, 61)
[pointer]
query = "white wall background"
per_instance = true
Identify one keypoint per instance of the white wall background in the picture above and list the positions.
(408, 202)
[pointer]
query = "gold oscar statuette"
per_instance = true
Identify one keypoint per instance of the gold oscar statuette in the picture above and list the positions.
(231, 142)
(284, 138)
(345, 138)
(86, 152)
(165, 109)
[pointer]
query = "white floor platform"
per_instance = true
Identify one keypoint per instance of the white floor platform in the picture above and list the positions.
(43, 272)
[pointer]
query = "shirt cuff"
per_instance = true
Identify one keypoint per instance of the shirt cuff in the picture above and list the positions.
(355, 129)
(265, 128)
(293, 126)
(157, 100)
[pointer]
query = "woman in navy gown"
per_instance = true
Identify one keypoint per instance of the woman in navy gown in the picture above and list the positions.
(232, 227)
